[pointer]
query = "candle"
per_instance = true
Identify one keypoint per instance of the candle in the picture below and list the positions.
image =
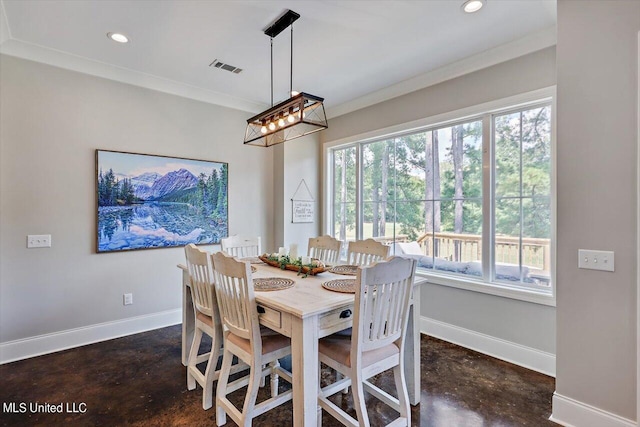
(282, 251)
(306, 260)
(293, 251)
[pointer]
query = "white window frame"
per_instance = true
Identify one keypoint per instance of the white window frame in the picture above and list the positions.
(488, 111)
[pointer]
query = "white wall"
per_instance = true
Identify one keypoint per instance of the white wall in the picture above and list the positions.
(301, 162)
(521, 326)
(597, 209)
(51, 122)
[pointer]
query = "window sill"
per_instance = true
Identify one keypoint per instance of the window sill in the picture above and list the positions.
(497, 289)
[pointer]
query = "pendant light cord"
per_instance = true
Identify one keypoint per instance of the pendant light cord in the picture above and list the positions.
(272, 71)
(291, 73)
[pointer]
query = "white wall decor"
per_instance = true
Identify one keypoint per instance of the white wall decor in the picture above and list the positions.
(303, 206)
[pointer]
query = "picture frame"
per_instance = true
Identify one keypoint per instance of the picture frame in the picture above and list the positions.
(146, 201)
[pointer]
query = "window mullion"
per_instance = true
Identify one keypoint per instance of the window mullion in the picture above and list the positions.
(359, 210)
(488, 204)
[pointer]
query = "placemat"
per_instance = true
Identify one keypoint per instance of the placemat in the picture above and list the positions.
(272, 284)
(347, 286)
(346, 270)
(252, 260)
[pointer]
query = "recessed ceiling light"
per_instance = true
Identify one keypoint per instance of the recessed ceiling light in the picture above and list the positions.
(471, 6)
(117, 37)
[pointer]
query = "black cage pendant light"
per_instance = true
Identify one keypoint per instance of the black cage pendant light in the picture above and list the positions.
(300, 115)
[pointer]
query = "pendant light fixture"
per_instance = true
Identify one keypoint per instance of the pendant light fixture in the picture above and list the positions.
(300, 115)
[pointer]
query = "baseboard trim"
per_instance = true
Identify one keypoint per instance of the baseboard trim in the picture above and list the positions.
(508, 351)
(49, 343)
(572, 413)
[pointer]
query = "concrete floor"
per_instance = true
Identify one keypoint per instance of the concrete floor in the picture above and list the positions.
(139, 381)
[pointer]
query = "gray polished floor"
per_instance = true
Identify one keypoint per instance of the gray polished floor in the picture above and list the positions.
(138, 381)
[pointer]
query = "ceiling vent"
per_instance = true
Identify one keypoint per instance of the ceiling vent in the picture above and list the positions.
(221, 65)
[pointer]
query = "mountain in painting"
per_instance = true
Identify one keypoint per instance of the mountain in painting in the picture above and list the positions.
(173, 181)
(142, 184)
(153, 186)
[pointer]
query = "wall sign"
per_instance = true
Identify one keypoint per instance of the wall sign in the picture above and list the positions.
(303, 206)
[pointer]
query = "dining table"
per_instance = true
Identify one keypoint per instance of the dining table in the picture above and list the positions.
(306, 312)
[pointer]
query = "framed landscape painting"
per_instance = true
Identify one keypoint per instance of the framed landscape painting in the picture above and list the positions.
(146, 201)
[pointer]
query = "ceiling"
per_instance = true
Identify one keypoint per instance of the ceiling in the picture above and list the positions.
(352, 53)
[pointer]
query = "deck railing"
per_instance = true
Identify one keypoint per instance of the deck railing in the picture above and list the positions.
(536, 252)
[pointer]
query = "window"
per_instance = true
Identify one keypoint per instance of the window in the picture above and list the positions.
(470, 199)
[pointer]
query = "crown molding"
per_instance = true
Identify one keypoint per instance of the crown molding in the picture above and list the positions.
(56, 58)
(505, 52)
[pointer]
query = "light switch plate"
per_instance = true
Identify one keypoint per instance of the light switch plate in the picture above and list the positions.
(596, 260)
(39, 241)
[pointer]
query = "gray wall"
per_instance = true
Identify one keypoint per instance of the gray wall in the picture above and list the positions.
(597, 57)
(51, 122)
(528, 324)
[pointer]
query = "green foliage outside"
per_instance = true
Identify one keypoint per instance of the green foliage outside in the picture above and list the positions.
(432, 180)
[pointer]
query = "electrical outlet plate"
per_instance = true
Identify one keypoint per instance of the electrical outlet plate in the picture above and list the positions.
(596, 260)
(127, 299)
(38, 241)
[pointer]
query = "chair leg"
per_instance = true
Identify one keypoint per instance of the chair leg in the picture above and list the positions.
(358, 397)
(403, 396)
(338, 378)
(191, 361)
(319, 415)
(252, 393)
(274, 378)
(221, 390)
(263, 380)
(210, 372)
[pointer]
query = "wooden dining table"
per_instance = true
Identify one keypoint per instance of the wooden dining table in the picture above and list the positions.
(307, 312)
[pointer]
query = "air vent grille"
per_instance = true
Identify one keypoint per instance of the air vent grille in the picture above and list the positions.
(226, 67)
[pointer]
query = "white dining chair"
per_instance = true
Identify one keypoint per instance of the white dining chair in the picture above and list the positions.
(325, 248)
(242, 246)
(381, 311)
(365, 252)
(207, 321)
(244, 339)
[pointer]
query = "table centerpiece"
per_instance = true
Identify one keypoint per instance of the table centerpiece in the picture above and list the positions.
(284, 262)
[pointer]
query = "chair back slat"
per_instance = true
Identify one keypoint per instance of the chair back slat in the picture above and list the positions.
(325, 248)
(235, 294)
(242, 247)
(201, 277)
(383, 293)
(366, 252)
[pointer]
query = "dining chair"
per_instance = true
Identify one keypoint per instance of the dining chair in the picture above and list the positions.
(241, 246)
(325, 248)
(382, 297)
(245, 339)
(365, 252)
(207, 321)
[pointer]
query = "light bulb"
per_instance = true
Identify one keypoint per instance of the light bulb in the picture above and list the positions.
(294, 93)
(272, 126)
(263, 129)
(281, 122)
(291, 118)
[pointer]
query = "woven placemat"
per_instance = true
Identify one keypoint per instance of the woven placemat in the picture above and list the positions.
(347, 286)
(346, 270)
(252, 260)
(272, 284)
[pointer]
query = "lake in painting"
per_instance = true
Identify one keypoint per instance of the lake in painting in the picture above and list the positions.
(152, 201)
